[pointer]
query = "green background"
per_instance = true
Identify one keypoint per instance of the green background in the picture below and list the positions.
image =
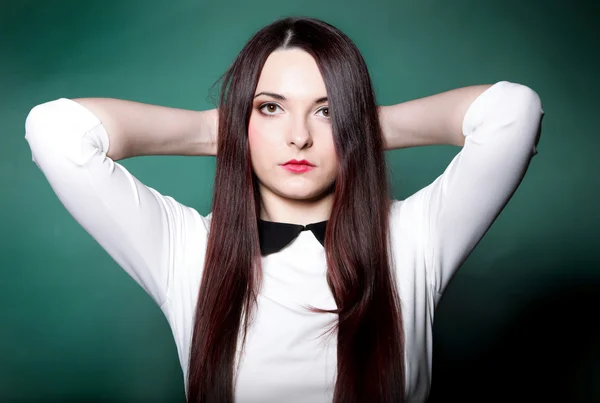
(519, 319)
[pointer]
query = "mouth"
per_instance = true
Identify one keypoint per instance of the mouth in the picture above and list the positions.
(302, 162)
(298, 166)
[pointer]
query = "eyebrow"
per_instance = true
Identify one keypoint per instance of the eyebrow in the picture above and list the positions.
(282, 98)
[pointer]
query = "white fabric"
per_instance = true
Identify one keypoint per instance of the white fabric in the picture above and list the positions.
(161, 243)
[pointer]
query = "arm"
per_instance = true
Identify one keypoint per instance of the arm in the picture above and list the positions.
(436, 119)
(136, 129)
(141, 229)
(501, 128)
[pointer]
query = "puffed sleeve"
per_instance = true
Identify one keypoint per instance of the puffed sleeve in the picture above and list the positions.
(501, 128)
(136, 225)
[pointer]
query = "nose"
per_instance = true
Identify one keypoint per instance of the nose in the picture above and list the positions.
(299, 135)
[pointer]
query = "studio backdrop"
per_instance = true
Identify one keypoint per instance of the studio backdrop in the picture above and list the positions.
(518, 320)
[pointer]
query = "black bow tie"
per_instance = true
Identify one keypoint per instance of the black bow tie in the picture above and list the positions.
(274, 236)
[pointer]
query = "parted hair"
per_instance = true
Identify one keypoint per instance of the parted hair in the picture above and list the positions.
(369, 327)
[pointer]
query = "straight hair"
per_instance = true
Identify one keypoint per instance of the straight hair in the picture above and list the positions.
(370, 340)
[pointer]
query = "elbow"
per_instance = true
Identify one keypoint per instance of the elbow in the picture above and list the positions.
(530, 103)
(38, 119)
(58, 128)
(53, 130)
(523, 102)
(532, 114)
(34, 121)
(523, 107)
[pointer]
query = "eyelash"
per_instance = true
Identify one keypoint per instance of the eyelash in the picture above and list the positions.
(273, 114)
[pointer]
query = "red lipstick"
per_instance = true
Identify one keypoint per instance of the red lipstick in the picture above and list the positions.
(298, 166)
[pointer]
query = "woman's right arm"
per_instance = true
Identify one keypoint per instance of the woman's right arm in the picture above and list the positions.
(75, 145)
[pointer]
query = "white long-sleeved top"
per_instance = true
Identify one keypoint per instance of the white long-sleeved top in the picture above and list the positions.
(161, 243)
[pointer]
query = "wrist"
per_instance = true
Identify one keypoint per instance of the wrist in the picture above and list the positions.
(207, 132)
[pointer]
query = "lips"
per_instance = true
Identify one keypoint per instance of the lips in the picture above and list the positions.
(301, 162)
(299, 167)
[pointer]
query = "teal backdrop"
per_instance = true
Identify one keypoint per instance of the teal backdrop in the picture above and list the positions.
(518, 320)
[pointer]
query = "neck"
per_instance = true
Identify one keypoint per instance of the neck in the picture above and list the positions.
(295, 211)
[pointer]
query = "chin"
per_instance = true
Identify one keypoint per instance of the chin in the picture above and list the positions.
(303, 194)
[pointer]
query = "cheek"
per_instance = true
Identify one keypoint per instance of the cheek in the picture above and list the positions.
(256, 144)
(259, 141)
(331, 154)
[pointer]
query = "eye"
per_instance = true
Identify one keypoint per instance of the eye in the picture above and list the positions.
(325, 109)
(270, 107)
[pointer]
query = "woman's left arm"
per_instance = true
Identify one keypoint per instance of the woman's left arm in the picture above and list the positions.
(432, 120)
(498, 127)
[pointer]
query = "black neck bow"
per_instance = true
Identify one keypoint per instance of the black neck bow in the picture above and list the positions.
(274, 236)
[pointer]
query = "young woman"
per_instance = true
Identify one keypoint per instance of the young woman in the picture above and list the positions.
(306, 282)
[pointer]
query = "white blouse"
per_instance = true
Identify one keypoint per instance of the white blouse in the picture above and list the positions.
(161, 243)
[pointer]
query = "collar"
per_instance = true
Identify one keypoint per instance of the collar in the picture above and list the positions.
(274, 236)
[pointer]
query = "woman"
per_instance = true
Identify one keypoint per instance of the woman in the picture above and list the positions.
(305, 283)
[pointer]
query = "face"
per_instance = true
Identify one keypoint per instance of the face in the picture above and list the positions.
(292, 122)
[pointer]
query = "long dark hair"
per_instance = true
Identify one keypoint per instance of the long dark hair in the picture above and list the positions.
(370, 341)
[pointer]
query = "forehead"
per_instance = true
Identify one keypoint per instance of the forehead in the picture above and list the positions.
(292, 73)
